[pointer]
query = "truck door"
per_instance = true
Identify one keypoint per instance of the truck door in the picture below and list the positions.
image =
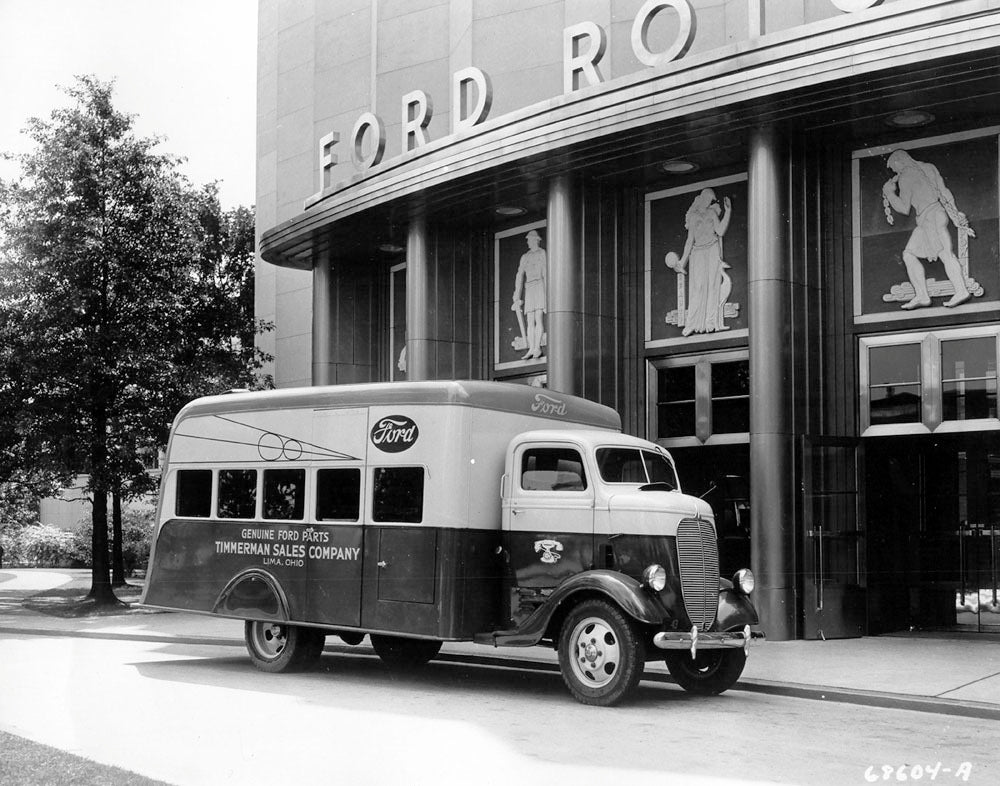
(401, 552)
(548, 515)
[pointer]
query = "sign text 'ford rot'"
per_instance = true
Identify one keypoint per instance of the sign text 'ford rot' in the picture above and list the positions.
(394, 433)
(584, 46)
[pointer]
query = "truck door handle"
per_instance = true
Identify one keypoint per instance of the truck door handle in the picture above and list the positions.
(514, 511)
(383, 564)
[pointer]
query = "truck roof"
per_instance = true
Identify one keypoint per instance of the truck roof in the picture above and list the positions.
(501, 396)
(587, 438)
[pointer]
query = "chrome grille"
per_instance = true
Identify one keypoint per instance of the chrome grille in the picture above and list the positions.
(698, 560)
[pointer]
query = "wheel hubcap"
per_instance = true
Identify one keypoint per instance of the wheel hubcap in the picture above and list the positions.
(270, 638)
(597, 652)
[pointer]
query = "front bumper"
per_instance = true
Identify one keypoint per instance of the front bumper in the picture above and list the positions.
(693, 640)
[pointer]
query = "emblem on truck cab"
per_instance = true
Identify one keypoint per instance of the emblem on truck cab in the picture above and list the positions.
(550, 550)
(394, 433)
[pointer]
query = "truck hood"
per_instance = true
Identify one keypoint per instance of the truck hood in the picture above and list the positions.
(662, 501)
(654, 512)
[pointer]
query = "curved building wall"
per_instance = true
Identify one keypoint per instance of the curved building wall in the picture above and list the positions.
(823, 403)
(323, 64)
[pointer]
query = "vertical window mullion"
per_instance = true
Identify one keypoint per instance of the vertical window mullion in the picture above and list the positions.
(996, 366)
(703, 400)
(930, 381)
(864, 380)
(652, 397)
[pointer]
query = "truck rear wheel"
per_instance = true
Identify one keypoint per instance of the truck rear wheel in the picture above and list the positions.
(402, 653)
(276, 647)
(709, 673)
(600, 656)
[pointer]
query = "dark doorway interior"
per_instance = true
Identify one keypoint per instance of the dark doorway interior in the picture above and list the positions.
(932, 506)
(720, 475)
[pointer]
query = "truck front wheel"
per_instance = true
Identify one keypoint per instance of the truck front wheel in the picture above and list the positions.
(277, 647)
(600, 656)
(709, 673)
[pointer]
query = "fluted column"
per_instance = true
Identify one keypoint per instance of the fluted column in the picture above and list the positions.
(322, 321)
(563, 318)
(418, 338)
(772, 446)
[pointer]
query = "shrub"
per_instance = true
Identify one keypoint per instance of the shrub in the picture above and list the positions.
(137, 534)
(10, 551)
(43, 546)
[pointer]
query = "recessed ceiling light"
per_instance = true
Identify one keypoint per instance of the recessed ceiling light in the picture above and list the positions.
(510, 210)
(910, 118)
(678, 166)
(390, 248)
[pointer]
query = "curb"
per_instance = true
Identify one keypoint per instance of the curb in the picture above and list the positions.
(895, 701)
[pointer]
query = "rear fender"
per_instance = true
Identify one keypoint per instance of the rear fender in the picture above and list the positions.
(253, 594)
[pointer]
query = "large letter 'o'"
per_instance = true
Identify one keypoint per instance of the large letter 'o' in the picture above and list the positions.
(367, 122)
(640, 31)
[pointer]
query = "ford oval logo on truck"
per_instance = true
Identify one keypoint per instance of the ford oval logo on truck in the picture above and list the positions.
(394, 433)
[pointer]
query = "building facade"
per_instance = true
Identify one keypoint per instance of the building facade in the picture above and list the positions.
(766, 231)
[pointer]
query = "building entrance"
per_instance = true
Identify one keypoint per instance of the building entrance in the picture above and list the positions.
(721, 476)
(932, 507)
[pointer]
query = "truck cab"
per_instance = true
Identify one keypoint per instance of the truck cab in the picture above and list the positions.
(598, 519)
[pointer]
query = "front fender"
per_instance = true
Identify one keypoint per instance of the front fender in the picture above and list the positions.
(735, 610)
(622, 590)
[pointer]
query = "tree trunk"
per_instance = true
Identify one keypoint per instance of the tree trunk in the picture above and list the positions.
(100, 586)
(117, 550)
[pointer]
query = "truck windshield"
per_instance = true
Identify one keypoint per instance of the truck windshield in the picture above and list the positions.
(633, 465)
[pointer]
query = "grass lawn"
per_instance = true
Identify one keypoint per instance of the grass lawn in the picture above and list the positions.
(27, 763)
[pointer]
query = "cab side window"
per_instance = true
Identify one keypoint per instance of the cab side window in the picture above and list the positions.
(284, 494)
(398, 494)
(552, 469)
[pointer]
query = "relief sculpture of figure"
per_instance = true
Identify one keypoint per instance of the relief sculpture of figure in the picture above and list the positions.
(709, 285)
(530, 295)
(919, 185)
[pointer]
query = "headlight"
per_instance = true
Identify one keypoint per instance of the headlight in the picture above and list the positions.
(654, 577)
(744, 581)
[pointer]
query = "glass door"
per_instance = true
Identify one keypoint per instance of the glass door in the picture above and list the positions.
(978, 497)
(933, 515)
(833, 589)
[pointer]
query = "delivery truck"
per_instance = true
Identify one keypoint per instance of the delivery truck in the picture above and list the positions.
(418, 513)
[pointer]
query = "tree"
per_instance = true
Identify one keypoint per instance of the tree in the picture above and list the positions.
(215, 352)
(117, 298)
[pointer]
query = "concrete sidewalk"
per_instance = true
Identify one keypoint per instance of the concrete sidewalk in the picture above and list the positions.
(956, 674)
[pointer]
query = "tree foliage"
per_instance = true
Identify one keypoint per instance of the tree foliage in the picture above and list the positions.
(125, 291)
